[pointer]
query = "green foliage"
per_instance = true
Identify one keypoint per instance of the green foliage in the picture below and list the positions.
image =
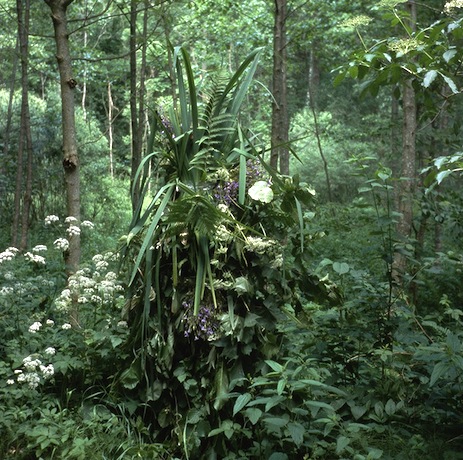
(219, 259)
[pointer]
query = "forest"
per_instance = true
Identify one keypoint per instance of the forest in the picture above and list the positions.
(231, 230)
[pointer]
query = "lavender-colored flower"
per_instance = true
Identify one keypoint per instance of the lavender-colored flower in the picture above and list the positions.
(205, 325)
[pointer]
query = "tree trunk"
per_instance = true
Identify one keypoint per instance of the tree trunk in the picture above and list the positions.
(9, 116)
(408, 172)
(25, 138)
(110, 130)
(280, 120)
(70, 154)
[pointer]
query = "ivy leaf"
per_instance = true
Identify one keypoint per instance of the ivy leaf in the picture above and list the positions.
(261, 191)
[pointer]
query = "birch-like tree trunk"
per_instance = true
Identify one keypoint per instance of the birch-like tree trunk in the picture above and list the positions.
(70, 153)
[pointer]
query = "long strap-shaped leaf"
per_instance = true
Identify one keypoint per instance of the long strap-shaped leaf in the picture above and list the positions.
(148, 240)
(243, 87)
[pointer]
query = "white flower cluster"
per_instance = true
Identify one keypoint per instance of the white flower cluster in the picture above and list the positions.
(87, 224)
(8, 254)
(265, 246)
(73, 230)
(51, 219)
(62, 244)
(450, 6)
(91, 286)
(39, 248)
(35, 327)
(39, 260)
(34, 371)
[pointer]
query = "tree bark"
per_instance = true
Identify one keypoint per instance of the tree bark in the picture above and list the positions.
(408, 172)
(280, 121)
(70, 152)
(25, 138)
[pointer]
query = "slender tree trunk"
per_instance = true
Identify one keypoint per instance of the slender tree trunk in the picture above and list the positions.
(9, 116)
(110, 130)
(408, 172)
(70, 153)
(134, 122)
(23, 10)
(313, 83)
(280, 120)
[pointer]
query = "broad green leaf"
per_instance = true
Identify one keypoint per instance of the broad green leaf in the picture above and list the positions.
(277, 421)
(254, 414)
(390, 407)
(242, 285)
(296, 431)
(241, 402)
(281, 386)
(277, 367)
(341, 443)
(261, 191)
(278, 456)
(341, 268)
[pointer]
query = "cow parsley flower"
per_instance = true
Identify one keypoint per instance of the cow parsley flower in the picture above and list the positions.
(50, 351)
(8, 254)
(62, 244)
(39, 260)
(51, 219)
(66, 326)
(73, 230)
(87, 224)
(39, 248)
(34, 327)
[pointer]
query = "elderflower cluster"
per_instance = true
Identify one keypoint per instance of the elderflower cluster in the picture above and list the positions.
(356, 21)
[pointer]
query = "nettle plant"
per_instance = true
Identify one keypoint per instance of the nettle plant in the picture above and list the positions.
(216, 259)
(48, 367)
